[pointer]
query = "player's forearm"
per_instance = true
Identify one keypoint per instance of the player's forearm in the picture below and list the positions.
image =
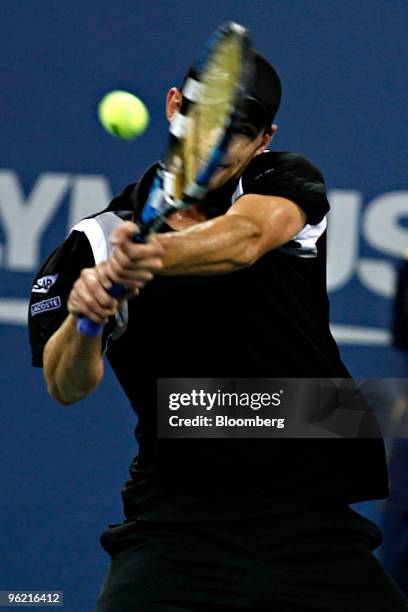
(219, 246)
(73, 365)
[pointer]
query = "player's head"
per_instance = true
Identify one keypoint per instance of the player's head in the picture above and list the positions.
(259, 107)
(254, 127)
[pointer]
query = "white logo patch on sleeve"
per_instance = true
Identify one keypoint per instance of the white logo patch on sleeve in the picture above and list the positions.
(44, 284)
(51, 304)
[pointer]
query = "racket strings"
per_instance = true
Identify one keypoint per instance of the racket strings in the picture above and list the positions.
(211, 113)
(209, 99)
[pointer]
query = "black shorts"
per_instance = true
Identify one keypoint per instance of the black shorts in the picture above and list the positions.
(318, 561)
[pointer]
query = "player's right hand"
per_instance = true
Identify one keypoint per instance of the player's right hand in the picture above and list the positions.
(89, 296)
(130, 265)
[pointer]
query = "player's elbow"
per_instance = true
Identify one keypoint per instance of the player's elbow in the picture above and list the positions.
(63, 396)
(245, 258)
(66, 398)
(55, 393)
(66, 393)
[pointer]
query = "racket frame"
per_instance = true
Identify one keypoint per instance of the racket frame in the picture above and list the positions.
(160, 202)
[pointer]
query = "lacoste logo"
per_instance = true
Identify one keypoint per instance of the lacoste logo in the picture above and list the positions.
(51, 304)
(43, 284)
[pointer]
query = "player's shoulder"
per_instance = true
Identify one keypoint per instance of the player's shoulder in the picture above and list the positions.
(299, 162)
(96, 230)
(105, 220)
(288, 175)
(68, 258)
(86, 242)
(287, 162)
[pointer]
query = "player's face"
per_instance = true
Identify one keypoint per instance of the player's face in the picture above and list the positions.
(245, 145)
(248, 142)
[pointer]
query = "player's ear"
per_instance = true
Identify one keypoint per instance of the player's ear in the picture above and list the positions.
(173, 102)
(266, 139)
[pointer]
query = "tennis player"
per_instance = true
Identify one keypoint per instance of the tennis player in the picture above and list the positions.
(221, 524)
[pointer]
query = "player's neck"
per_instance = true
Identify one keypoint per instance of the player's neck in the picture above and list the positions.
(182, 219)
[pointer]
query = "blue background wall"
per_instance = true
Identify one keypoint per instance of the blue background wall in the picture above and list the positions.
(341, 64)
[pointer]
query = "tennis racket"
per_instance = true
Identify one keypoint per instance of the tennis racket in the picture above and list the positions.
(200, 133)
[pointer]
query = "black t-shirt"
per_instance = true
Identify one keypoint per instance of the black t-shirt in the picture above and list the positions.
(268, 320)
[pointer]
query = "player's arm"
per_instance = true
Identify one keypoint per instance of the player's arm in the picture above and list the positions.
(73, 363)
(254, 225)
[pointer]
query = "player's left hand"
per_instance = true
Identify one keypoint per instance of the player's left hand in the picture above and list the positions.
(133, 264)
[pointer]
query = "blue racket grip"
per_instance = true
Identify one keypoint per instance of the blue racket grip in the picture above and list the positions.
(90, 328)
(87, 327)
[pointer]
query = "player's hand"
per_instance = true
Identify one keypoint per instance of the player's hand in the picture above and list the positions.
(89, 296)
(132, 264)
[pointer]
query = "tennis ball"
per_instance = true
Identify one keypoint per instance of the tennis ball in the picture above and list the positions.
(122, 114)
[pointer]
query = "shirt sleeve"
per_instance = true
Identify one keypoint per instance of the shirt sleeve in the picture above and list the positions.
(51, 288)
(291, 176)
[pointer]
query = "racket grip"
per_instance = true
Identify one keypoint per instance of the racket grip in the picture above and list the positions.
(90, 328)
(87, 327)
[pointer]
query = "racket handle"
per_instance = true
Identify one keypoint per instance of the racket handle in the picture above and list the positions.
(90, 328)
(87, 327)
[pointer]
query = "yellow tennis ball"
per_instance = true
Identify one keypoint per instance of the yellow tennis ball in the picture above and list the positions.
(122, 114)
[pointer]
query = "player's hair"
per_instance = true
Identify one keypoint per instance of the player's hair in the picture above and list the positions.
(262, 102)
(266, 88)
